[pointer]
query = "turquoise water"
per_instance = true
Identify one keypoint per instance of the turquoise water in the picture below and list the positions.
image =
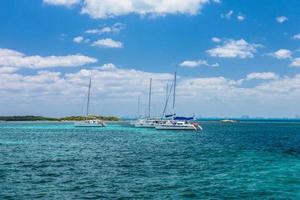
(225, 161)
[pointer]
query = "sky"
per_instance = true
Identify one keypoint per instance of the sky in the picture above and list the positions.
(233, 58)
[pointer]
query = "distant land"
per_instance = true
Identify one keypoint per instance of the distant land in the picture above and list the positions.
(71, 118)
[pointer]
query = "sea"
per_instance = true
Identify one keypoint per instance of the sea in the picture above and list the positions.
(245, 160)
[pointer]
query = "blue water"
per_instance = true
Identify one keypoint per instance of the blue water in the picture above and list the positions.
(247, 160)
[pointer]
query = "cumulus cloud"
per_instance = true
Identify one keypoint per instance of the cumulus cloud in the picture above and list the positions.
(67, 3)
(113, 8)
(78, 39)
(234, 48)
(11, 58)
(108, 66)
(296, 37)
(193, 63)
(107, 43)
(262, 76)
(241, 17)
(118, 87)
(8, 70)
(115, 29)
(216, 39)
(295, 62)
(281, 19)
(282, 54)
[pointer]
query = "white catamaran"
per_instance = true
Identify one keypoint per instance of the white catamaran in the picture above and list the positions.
(90, 122)
(176, 123)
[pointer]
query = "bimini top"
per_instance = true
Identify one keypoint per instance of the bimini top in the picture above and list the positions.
(184, 118)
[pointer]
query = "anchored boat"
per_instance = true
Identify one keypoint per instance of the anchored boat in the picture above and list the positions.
(146, 122)
(176, 123)
(90, 122)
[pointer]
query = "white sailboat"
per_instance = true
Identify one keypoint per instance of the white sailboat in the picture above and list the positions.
(146, 122)
(90, 122)
(176, 123)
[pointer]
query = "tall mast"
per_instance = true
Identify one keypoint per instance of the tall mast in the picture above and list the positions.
(139, 102)
(167, 99)
(149, 103)
(89, 95)
(174, 92)
(167, 94)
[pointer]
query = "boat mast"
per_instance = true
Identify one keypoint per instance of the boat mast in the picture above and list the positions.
(174, 93)
(149, 103)
(88, 101)
(168, 92)
(139, 102)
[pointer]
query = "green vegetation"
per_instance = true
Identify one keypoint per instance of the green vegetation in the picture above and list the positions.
(26, 118)
(81, 118)
(40, 118)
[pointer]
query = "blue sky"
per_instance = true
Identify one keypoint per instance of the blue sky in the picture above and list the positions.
(233, 57)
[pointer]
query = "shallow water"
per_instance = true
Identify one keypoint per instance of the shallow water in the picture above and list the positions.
(225, 161)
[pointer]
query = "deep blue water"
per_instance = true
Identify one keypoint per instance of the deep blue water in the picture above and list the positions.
(247, 160)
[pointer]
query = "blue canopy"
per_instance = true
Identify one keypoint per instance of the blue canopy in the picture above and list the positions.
(184, 118)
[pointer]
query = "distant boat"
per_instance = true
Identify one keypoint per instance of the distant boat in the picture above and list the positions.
(89, 122)
(146, 122)
(228, 121)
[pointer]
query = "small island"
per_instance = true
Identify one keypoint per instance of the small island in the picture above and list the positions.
(70, 118)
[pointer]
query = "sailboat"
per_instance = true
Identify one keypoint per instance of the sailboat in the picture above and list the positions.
(174, 122)
(90, 122)
(147, 122)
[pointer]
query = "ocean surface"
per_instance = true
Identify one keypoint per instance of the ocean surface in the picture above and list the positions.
(246, 160)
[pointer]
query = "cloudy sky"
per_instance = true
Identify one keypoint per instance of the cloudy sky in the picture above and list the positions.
(233, 57)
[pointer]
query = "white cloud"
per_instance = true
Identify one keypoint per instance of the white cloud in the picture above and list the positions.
(113, 8)
(216, 39)
(281, 19)
(241, 17)
(233, 49)
(282, 54)
(115, 90)
(193, 64)
(10, 53)
(108, 66)
(11, 58)
(296, 37)
(8, 70)
(115, 29)
(262, 76)
(107, 43)
(227, 15)
(67, 3)
(295, 62)
(78, 39)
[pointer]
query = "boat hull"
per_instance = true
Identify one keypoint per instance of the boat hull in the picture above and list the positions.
(176, 128)
(144, 126)
(87, 125)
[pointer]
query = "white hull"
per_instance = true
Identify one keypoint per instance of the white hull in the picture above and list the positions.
(146, 123)
(144, 126)
(89, 125)
(178, 125)
(188, 128)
